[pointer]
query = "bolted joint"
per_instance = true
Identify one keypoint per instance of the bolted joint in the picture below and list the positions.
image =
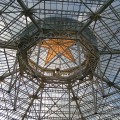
(75, 98)
(33, 96)
(110, 84)
(2, 78)
(95, 17)
(27, 12)
(35, 76)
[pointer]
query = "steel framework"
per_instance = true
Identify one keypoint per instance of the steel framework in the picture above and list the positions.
(87, 89)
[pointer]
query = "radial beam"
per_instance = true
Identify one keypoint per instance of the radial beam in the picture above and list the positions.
(28, 12)
(4, 44)
(78, 106)
(108, 82)
(41, 86)
(97, 13)
(110, 52)
(5, 75)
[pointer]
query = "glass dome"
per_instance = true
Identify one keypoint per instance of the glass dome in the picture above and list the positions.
(59, 60)
(58, 53)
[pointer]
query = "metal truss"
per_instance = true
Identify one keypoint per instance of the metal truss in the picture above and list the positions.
(86, 90)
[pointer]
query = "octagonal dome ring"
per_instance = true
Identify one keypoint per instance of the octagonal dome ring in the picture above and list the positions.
(59, 53)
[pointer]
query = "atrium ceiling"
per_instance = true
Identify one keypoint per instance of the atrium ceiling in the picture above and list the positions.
(60, 60)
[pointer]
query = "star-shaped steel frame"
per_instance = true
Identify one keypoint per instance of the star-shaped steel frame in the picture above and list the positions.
(58, 46)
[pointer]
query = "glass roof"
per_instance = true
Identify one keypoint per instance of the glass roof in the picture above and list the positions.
(60, 60)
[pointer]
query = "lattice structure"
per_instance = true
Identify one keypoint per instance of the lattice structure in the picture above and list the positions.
(59, 60)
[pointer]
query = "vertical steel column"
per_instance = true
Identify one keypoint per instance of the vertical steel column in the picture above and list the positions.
(77, 104)
(69, 104)
(41, 86)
